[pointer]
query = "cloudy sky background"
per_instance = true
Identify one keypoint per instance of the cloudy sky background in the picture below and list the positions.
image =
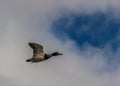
(87, 32)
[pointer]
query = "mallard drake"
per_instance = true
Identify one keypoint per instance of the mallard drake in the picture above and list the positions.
(38, 53)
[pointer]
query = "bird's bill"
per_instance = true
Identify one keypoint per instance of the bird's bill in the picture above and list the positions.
(61, 54)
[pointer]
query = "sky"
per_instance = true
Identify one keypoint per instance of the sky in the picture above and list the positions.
(86, 32)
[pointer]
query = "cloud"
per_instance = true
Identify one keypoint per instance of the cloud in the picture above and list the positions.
(24, 21)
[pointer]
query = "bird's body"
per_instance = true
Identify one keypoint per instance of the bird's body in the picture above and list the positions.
(38, 53)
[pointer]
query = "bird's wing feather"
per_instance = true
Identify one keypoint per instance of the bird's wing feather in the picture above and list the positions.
(37, 48)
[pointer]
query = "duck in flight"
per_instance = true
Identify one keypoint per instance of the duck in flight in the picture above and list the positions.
(38, 53)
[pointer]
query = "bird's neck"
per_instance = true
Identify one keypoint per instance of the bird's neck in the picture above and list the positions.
(47, 56)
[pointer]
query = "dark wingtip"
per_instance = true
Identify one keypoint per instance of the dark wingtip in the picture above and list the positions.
(29, 43)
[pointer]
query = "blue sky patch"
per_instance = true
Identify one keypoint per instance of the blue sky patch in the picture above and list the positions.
(96, 29)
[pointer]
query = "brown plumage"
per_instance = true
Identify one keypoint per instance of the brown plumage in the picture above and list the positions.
(38, 53)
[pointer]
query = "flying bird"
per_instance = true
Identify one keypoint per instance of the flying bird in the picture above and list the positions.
(38, 53)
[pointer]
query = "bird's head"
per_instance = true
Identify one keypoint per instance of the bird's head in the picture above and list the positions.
(56, 54)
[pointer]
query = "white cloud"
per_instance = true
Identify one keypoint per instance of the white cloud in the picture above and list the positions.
(19, 21)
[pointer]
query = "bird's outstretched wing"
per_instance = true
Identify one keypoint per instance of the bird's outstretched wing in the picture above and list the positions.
(37, 48)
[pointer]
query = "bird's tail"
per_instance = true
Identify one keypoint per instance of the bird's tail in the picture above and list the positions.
(28, 60)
